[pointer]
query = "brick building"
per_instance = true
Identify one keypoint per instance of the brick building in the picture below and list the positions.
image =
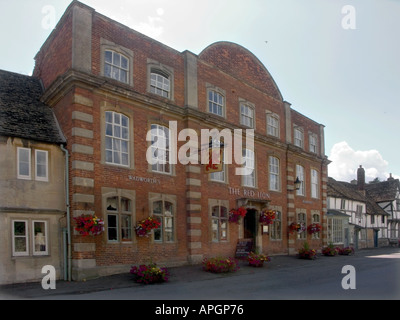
(109, 85)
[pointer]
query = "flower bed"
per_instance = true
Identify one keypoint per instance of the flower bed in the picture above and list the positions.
(220, 265)
(257, 260)
(307, 253)
(330, 251)
(149, 274)
(89, 225)
(347, 251)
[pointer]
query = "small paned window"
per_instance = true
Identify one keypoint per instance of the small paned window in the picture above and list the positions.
(116, 66)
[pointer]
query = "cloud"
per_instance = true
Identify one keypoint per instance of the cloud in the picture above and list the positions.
(346, 161)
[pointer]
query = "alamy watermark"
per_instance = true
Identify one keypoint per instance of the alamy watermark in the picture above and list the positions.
(49, 280)
(349, 281)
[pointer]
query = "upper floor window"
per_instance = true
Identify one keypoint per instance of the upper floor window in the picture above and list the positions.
(216, 103)
(117, 138)
(160, 83)
(298, 137)
(273, 125)
(274, 173)
(249, 179)
(314, 183)
(300, 174)
(160, 149)
(116, 66)
(24, 160)
(313, 143)
(247, 115)
(24, 163)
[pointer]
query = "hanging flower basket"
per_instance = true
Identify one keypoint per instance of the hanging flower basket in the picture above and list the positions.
(297, 227)
(145, 226)
(314, 228)
(257, 260)
(236, 214)
(267, 217)
(89, 225)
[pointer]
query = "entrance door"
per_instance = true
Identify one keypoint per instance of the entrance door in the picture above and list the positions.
(375, 238)
(250, 225)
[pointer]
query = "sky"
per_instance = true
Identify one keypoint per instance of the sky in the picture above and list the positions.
(336, 61)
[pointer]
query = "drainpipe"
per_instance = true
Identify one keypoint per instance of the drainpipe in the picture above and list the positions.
(68, 212)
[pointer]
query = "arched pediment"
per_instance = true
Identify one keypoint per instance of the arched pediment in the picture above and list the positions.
(239, 62)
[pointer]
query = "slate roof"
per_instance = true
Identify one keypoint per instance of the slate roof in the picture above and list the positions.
(22, 114)
(345, 190)
(383, 191)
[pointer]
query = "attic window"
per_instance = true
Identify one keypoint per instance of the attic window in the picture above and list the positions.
(160, 83)
(116, 66)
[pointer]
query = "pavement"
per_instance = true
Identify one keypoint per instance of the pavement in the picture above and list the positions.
(190, 273)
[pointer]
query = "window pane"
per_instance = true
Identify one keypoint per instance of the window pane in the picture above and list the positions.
(20, 237)
(108, 56)
(158, 232)
(126, 233)
(40, 241)
(214, 229)
(112, 227)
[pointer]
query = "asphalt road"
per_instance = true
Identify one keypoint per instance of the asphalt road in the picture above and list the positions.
(376, 275)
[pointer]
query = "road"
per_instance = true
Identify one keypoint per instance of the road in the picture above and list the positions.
(376, 276)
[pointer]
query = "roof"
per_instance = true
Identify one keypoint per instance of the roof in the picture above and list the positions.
(383, 191)
(22, 114)
(345, 190)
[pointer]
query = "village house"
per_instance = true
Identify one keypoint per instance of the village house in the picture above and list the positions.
(32, 183)
(356, 212)
(116, 92)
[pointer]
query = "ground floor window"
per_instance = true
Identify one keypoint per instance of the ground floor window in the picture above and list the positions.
(22, 244)
(335, 230)
(119, 211)
(302, 219)
(276, 228)
(163, 211)
(219, 223)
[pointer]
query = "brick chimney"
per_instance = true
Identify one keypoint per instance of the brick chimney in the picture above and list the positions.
(361, 179)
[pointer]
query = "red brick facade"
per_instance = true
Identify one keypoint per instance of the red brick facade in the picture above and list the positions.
(81, 94)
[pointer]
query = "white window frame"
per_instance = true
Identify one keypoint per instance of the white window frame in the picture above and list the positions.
(116, 67)
(26, 236)
(313, 142)
(163, 217)
(46, 241)
(301, 176)
(46, 165)
(162, 163)
(249, 180)
(160, 83)
(298, 137)
(273, 125)
(216, 100)
(274, 173)
(314, 184)
(123, 138)
(302, 218)
(247, 115)
(19, 175)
